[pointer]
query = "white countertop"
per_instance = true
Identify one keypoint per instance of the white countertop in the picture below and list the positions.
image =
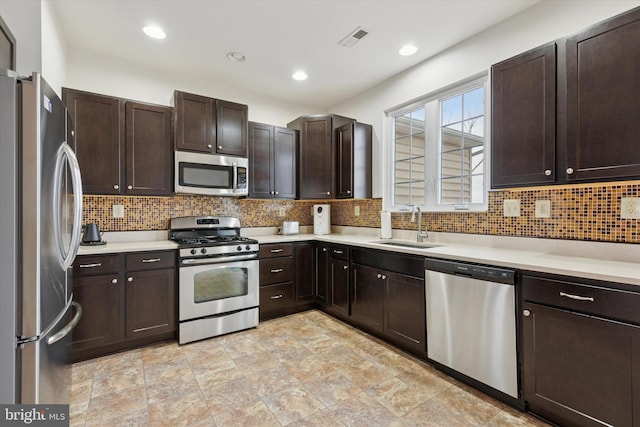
(592, 260)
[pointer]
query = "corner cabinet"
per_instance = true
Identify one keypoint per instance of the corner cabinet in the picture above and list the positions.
(272, 161)
(210, 125)
(581, 348)
(123, 147)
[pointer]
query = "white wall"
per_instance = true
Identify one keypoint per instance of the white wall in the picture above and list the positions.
(95, 73)
(543, 23)
(23, 19)
(54, 56)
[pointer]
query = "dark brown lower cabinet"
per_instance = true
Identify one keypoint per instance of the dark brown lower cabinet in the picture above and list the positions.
(404, 312)
(305, 260)
(150, 303)
(322, 274)
(367, 303)
(579, 369)
(338, 287)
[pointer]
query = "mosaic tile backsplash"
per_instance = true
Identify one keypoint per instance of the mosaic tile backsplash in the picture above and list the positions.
(580, 212)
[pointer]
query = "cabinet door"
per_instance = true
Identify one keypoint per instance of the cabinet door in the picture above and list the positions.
(99, 297)
(150, 305)
(339, 286)
(315, 162)
(284, 163)
(260, 160)
(195, 122)
(305, 257)
(322, 273)
(98, 140)
(7, 47)
(148, 149)
(603, 114)
(344, 136)
(232, 129)
(405, 312)
(523, 141)
(367, 303)
(580, 370)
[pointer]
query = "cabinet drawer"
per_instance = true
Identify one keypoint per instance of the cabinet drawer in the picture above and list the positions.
(276, 297)
(92, 265)
(276, 250)
(276, 270)
(600, 301)
(136, 261)
(339, 252)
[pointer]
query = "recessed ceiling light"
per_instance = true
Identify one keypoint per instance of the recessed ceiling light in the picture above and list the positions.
(236, 57)
(299, 75)
(407, 50)
(154, 32)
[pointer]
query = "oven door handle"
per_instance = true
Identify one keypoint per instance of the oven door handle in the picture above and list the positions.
(221, 260)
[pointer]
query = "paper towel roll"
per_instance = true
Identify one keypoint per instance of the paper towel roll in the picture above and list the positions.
(385, 225)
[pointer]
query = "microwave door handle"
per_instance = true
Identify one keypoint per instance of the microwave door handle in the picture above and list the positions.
(235, 177)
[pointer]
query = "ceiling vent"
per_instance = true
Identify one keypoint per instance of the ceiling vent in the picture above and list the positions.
(354, 37)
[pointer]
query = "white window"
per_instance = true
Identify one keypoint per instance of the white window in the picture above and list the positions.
(438, 151)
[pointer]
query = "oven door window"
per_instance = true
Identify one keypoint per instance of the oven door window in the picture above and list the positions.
(220, 283)
(205, 176)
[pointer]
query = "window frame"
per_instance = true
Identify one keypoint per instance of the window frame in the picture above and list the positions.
(432, 105)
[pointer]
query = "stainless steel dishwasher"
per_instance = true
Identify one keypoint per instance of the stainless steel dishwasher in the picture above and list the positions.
(471, 321)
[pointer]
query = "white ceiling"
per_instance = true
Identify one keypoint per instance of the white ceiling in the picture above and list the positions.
(279, 37)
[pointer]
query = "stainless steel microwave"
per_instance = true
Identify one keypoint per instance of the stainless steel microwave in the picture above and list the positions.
(211, 174)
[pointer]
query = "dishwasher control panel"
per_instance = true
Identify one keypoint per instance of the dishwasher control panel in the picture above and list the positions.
(480, 272)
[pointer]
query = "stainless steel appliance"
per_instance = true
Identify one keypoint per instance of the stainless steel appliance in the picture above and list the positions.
(218, 277)
(471, 322)
(41, 211)
(211, 174)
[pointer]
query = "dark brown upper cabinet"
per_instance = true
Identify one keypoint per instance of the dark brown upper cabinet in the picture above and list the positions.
(272, 161)
(123, 147)
(209, 125)
(353, 142)
(571, 117)
(523, 141)
(317, 157)
(7, 47)
(603, 109)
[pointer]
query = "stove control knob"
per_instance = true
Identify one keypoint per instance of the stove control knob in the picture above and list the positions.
(193, 251)
(239, 248)
(203, 250)
(248, 247)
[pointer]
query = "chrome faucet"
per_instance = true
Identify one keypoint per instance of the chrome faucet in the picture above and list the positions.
(421, 234)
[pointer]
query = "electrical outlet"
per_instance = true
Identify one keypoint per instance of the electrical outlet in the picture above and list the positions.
(543, 208)
(282, 212)
(356, 210)
(630, 208)
(118, 211)
(511, 207)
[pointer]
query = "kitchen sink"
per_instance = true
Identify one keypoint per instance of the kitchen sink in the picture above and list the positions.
(413, 245)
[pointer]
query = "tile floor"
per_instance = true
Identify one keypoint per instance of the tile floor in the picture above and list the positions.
(307, 369)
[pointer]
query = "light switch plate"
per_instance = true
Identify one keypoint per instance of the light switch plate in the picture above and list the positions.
(282, 212)
(630, 208)
(543, 208)
(511, 207)
(118, 211)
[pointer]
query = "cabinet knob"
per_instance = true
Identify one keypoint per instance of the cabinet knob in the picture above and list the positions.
(344, 267)
(526, 313)
(129, 187)
(324, 249)
(219, 147)
(271, 192)
(379, 276)
(114, 281)
(348, 191)
(209, 146)
(276, 193)
(130, 279)
(547, 172)
(116, 187)
(569, 171)
(73, 133)
(384, 277)
(328, 193)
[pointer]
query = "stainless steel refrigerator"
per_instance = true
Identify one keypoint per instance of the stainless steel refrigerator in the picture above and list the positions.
(40, 226)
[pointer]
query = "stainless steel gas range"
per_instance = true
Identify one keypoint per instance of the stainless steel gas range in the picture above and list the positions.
(218, 277)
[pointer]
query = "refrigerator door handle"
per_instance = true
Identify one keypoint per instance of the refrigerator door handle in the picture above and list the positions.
(66, 154)
(67, 329)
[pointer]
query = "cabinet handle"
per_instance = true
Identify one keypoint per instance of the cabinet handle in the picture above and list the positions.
(344, 267)
(276, 251)
(547, 172)
(576, 297)
(97, 264)
(130, 279)
(569, 171)
(277, 296)
(335, 251)
(114, 281)
(116, 187)
(209, 146)
(129, 187)
(277, 270)
(151, 260)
